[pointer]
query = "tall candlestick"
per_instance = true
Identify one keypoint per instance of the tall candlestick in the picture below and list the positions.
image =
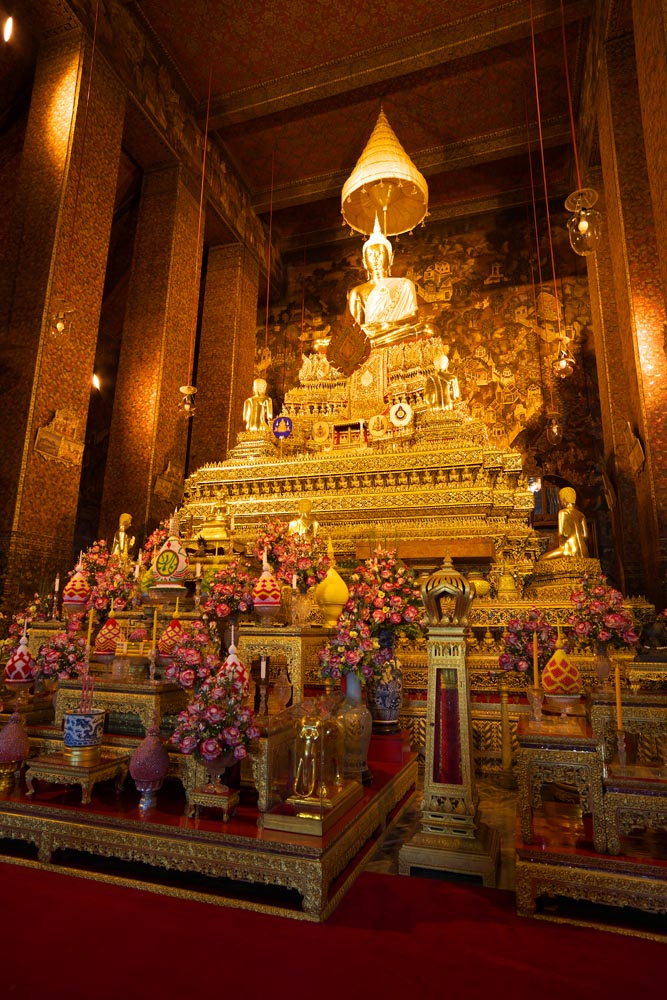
(619, 708)
(536, 667)
(262, 668)
(293, 581)
(91, 615)
(154, 628)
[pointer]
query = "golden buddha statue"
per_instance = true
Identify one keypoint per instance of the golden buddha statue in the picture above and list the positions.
(123, 542)
(441, 389)
(572, 528)
(304, 524)
(384, 307)
(258, 408)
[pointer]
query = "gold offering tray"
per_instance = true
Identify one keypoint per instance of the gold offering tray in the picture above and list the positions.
(311, 815)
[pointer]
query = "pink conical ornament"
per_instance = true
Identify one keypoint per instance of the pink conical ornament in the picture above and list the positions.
(266, 592)
(20, 667)
(149, 765)
(108, 638)
(76, 591)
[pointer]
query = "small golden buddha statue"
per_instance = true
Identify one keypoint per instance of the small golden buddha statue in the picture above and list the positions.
(572, 528)
(441, 389)
(304, 524)
(258, 408)
(383, 306)
(123, 542)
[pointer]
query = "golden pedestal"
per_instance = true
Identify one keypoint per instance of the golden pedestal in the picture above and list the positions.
(143, 698)
(312, 815)
(212, 797)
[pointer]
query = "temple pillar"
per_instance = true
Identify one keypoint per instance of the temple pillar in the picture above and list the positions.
(630, 305)
(148, 437)
(57, 252)
(226, 358)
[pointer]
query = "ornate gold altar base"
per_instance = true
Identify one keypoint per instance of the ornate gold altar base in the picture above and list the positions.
(58, 769)
(319, 869)
(473, 856)
(545, 871)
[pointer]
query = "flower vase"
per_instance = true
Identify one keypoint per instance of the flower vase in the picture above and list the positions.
(384, 694)
(301, 607)
(215, 769)
(602, 666)
(357, 727)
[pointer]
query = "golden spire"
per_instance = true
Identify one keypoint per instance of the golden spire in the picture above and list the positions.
(386, 183)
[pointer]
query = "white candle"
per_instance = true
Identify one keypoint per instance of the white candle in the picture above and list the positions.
(231, 523)
(154, 628)
(56, 585)
(198, 570)
(293, 581)
(262, 668)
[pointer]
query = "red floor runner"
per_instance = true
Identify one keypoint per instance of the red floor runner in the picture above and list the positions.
(391, 937)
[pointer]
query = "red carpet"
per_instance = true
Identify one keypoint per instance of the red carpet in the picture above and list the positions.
(391, 937)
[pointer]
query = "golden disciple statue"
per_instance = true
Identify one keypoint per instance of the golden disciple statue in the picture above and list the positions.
(258, 408)
(384, 307)
(304, 524)
(442, 389)
(122, 540)
(572, 528)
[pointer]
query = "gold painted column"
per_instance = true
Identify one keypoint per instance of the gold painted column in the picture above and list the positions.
(58, 249)
(452, 839)
(148, 438)
(634, 358)
(226, 357)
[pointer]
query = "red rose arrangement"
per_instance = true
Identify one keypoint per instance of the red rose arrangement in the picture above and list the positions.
(228, 591)
(519, 639)
(64, 654)
(599, 615)
(294, 557)
(216, 722)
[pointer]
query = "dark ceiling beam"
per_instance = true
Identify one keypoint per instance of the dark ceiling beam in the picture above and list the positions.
(481, 149)
(465, 208)
(412, 54)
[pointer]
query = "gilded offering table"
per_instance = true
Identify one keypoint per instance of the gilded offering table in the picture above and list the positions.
(296, 646)
(58, 769)
(644, 719)
(210, 797)
(635, 799)
(563, 751)
(143, 698)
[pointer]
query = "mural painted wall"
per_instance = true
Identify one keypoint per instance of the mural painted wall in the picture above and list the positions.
(483, 290)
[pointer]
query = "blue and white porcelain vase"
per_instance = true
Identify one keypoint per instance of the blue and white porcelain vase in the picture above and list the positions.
(82, 736)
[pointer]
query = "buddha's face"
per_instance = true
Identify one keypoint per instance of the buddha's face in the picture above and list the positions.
(376, 258)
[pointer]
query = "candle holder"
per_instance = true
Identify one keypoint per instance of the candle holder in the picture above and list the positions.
(263, 696)
(622, 752)
(152, 658)
(535, 698)
(54, 608)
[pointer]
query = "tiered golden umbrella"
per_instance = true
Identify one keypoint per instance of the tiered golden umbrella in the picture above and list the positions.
(384, 183)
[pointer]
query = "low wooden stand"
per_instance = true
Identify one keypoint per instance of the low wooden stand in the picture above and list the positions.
(58, 769)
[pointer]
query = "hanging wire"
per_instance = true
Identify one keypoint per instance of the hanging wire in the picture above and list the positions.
(569, 94)
(544, 176)
(537, 247)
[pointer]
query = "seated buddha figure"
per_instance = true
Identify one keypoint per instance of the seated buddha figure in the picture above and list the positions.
(384, 307)
(442, 389)
(572, 528)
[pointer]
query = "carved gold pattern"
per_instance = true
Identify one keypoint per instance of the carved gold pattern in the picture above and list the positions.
(56, 769)
(566, 752)
(145, 699)
(297, 647)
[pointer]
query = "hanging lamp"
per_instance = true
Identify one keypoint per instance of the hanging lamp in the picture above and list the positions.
(384, 183)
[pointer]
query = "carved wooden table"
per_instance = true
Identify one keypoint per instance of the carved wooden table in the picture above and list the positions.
(56, 768)
(563, 751)
(635, 799)
(212, 797)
